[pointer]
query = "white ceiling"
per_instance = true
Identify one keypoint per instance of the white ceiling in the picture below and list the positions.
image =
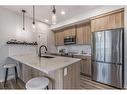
(44, 12)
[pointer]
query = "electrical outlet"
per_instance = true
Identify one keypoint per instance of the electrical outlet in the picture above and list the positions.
(65, 71)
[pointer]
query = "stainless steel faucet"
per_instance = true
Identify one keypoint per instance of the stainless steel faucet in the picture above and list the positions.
(40, 49)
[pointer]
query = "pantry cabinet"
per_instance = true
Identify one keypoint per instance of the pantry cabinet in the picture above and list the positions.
(110, 21)
(83, 34)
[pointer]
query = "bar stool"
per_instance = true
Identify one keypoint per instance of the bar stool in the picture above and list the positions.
(37, 83)
(7, 66)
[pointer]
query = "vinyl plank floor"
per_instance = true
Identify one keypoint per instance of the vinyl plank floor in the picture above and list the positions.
(85, 83)
(11, 84)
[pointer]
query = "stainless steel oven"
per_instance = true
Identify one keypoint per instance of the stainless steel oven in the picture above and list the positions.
(69, 40)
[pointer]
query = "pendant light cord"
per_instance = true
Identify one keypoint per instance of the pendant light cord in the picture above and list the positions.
(23, 19)
(54, 9)
(33, 14)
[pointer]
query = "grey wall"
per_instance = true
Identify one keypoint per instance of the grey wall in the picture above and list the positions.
(11, 28)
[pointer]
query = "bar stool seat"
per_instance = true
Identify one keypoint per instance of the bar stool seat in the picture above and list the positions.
(8, 66)
(37, 83)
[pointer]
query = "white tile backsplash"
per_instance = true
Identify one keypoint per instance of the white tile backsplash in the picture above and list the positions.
(76, 48)
(21, 49)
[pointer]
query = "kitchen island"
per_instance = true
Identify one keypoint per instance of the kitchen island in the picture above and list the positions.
(63, 72)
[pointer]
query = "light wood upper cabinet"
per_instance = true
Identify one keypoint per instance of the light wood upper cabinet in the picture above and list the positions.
(83, 34)
(59, 38)
(99, 24)
(70, 31)
(111, 21)
(79, 34)
(87, 34)
(60, 34)
(116, 20)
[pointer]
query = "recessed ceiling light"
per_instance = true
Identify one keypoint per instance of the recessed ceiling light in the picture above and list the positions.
(46, 20)
(62, 12)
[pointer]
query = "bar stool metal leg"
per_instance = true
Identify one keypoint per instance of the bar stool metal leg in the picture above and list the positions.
(47, 87)
(16, 74)
(6, 77)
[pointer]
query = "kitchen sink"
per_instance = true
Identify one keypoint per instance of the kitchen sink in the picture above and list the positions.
(47, 56)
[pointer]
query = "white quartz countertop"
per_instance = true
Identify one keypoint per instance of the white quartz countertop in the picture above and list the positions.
(45, 65)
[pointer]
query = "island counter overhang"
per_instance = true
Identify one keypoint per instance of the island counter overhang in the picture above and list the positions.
(64, 72)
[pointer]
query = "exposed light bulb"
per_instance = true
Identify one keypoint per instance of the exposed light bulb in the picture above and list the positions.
(62, 12)
(53, 19)
(33, 26)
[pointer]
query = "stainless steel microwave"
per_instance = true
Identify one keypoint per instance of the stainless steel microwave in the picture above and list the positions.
(69, 40)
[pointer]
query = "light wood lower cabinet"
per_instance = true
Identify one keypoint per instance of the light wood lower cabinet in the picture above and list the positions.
(58, 78)
(72, 79)
(85, 66)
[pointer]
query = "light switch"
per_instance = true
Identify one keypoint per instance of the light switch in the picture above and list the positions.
(65, 71)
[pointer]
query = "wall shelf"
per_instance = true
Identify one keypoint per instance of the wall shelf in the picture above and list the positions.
(21, 43)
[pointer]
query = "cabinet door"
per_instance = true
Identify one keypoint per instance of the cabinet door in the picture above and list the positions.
(66, 32)
(116, 20)
(79, 35)
(83, 34)
(70, 31)
(59, 40)
(86, 34)
(72, 76)
(100, 23)
(119, 20)
(93, 25)
(86, 66)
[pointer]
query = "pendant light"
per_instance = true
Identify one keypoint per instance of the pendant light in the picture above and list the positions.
(23, 15)
(54, 15)
(33, 17)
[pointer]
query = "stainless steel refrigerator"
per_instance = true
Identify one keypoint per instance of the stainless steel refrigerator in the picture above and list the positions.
(108, 57)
